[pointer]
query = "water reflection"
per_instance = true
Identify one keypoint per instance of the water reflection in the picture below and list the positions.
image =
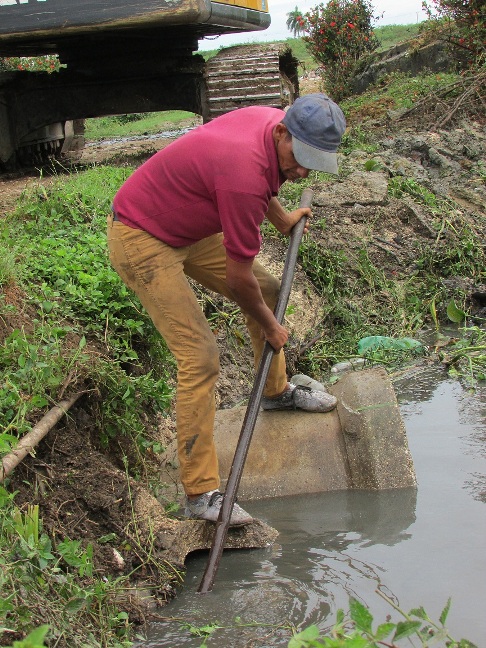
(419, 546)
(304, 577)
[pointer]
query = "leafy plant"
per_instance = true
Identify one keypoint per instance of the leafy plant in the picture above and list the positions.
(356, 630)
(461, 22)
(33, 366)
(58, 236)
(55, 584)
(34, 639)
(48, 63)
(338, 34)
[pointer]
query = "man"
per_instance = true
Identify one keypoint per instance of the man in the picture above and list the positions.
(194, 209)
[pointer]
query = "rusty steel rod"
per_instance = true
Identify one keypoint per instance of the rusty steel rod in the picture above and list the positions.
(229, 498)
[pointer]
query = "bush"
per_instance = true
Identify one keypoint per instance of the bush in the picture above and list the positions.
(48, 63)
(462, 23)
(338, 34)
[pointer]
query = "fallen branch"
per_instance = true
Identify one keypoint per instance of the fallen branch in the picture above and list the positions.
(464, 93)
(29, 441)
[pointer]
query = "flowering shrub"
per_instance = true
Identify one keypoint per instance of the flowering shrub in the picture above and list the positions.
(49, 63)
(462, 22)
(337, 35)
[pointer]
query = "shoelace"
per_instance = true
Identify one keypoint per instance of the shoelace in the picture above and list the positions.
(215, 497)
(294, 391)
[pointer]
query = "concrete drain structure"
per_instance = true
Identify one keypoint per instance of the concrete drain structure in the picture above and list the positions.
(362, 444)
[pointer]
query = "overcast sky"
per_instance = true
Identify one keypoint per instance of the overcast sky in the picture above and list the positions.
(391, 12)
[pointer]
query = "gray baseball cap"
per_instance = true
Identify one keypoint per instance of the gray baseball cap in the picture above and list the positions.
(316, 124)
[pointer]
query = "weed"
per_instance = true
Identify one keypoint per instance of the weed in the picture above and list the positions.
(398, 186)
(358, 138)
(33, 366)
(59, 238)
(465, 357)
(8, 272)
(84, 608)
(356, 630)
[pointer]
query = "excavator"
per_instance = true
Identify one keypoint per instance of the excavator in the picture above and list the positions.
(119, 57)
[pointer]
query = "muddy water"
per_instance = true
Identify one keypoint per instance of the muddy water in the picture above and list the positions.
(418, 547)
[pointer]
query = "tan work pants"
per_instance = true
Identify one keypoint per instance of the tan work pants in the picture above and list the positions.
(156, 272)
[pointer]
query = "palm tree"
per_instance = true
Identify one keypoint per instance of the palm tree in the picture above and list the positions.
(295, 22)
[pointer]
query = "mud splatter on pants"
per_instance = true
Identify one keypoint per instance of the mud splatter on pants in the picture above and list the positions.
(157, 273)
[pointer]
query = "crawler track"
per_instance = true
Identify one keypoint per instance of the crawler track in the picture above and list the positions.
(250, 75)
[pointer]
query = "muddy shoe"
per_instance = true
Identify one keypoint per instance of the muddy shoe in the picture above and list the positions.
(208, 505)
(307, 381)
(301, 397)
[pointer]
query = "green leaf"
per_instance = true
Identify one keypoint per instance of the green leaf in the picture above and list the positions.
(420, 613)
(360, 615)
(384, 630)
(375, 342)
(75, 605)
(300, 639)
(433, 312)
(406, 628)
(454, 313)
(38, 401)
(35, 639)
(445, 611)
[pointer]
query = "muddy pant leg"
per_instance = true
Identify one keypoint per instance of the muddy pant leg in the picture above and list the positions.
(277, 375)
(154, 271)
(206, 263)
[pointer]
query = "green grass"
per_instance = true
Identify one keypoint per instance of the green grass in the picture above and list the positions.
(390, 35)
(394, 92)
(58, 238)
(136, 124)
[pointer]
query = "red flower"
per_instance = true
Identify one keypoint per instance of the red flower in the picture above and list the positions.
(333, 24)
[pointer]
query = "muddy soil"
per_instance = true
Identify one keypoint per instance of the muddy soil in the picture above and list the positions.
(83, 491)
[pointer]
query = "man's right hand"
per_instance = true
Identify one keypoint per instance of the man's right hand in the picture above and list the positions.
(276, 337)
(247, 294)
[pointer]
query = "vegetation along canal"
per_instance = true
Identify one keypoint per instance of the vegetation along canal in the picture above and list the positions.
(417, 547)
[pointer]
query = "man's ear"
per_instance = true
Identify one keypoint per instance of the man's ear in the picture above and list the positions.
(280, 131)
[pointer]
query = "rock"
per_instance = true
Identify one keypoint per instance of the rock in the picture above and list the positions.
(194, 535)
(365, 187)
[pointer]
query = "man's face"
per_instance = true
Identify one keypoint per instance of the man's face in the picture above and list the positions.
(289, 167)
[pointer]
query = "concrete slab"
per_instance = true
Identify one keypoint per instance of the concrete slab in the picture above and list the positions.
(373, 431)
(291, 452)
(362, 444)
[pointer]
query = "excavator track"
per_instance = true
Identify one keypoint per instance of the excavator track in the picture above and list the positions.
(250, 75)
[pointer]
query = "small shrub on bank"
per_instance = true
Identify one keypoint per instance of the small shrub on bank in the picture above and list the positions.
(338, 34)
(462, 23)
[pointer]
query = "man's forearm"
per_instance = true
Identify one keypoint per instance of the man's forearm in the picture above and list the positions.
(284, 220)
(277, 215)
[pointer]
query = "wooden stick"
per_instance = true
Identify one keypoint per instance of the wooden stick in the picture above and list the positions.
(29, 441)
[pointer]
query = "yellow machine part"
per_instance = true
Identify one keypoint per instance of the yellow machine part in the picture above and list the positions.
(257, 5)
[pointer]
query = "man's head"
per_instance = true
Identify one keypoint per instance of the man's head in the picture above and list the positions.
(316, 125)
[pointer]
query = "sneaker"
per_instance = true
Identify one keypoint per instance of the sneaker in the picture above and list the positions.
(301, 397)
(307, 381)
(208, 505)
